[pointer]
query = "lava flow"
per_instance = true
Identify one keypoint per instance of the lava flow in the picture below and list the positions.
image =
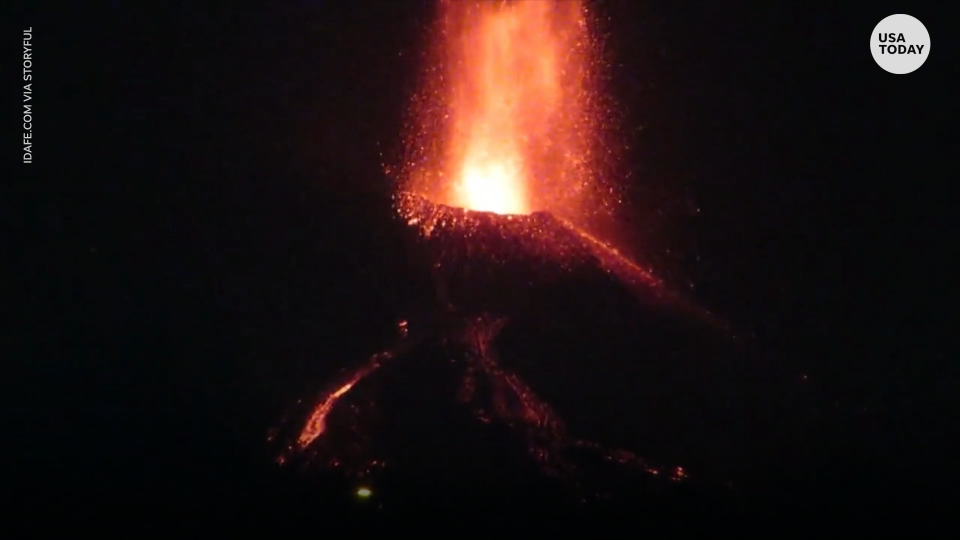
(504, 166)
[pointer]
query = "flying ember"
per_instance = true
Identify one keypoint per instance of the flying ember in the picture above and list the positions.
(508, 121)
(508, 117)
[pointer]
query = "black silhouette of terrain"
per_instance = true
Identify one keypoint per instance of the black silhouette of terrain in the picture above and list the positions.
(187, 389)
(622, 363)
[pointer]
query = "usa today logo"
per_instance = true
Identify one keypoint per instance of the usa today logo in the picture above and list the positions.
(900, 44)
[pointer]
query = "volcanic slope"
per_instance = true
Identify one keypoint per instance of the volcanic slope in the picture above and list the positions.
(544, 354)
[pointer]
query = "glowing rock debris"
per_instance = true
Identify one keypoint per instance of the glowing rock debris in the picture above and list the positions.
(509, 120)
(512, 403)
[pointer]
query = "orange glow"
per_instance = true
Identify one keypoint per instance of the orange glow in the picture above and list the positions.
(510, 401)
(318, 420)
(506, 120)
(317, 423)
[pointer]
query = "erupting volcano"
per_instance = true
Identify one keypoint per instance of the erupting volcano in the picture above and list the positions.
(505, 167)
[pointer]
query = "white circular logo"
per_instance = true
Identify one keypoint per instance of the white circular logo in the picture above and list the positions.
(900, 44)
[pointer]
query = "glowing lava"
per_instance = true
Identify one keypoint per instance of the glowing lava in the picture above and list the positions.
(507, 122)
(317, 422)
(507, 119)
(511, 401)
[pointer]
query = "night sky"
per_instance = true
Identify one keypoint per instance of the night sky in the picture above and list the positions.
(202, 236)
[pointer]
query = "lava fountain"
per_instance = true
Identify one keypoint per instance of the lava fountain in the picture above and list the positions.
(509, 117)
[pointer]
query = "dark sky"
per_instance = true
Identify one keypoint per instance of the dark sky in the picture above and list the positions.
(205, 202)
